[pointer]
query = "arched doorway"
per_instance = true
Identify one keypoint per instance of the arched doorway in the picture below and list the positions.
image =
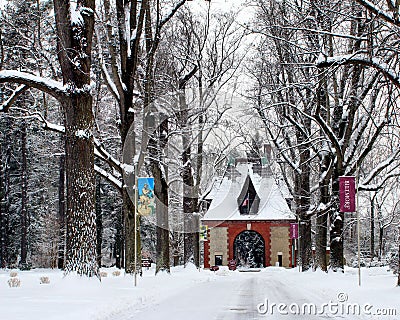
(249, 249)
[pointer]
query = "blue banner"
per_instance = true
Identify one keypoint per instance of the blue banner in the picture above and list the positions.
(146, 199)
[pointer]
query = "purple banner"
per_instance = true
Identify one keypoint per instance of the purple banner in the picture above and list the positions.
(347, 194)
(294, 230)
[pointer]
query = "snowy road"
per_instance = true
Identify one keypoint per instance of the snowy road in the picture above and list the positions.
(187, 293)
(227, 298)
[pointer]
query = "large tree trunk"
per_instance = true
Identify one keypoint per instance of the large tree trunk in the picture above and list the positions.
(325, 172)
(303, 198)
(372, 231)
(162, 246)
(119, 242)
(398, 263)
(81, 217)
(128, 207)
(24, 198)
(99, 222)
(190, 207)
(61, 214)
(128, 210)
(381, 246)
(74, 44)
(322, 230)
(4, 206)
(303, 204)
(322, 217)
(3, 227)
(162, 203)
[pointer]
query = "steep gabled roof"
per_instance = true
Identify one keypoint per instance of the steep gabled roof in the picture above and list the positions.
(224, 205)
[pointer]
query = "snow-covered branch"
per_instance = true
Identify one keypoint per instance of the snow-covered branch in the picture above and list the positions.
(48, 125)
(106, 75)
(99, 149)
(377, 186)
(101, 152)
(368, 148)
(381, 166)
(109, 177)
(277, 144)
(5, 106)
(54, 88)
(171, 14)
(329, 132)
(381, 14)
(361, 59)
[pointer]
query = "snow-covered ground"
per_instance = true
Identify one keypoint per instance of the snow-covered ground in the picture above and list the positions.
(273, 292)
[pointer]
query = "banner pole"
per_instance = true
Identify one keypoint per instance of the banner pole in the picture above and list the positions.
(358, 229)
(199, 250)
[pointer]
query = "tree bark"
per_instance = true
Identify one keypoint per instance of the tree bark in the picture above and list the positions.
(372, 231)
(81, 224)
(129, 233)
(190, 206)
(5, 205)
(303, 204)
(398, 263)
(99, 222)
(324, 181)
(24, 198)
(119, 242)
(3, 233)
(381, 248)
(162, 204)
(61, 214)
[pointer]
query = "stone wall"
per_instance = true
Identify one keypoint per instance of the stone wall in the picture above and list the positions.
(218, 245)
(280, 243)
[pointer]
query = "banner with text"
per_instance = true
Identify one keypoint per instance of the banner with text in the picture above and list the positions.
(347, 194)
(294, 231)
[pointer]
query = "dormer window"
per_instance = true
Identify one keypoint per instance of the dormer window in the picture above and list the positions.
(248, 200)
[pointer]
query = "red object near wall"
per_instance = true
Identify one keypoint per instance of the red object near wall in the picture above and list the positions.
(232, 265)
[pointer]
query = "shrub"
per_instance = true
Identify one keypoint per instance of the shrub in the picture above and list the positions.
(13, 274)
(116, 273)
(44, 280)
(103, 274)
(14, 282)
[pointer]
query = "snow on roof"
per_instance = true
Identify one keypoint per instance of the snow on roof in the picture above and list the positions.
(224, 205)
(211, 190)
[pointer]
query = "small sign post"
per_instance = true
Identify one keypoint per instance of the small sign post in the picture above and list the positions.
(146, 263)
(294, 235)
